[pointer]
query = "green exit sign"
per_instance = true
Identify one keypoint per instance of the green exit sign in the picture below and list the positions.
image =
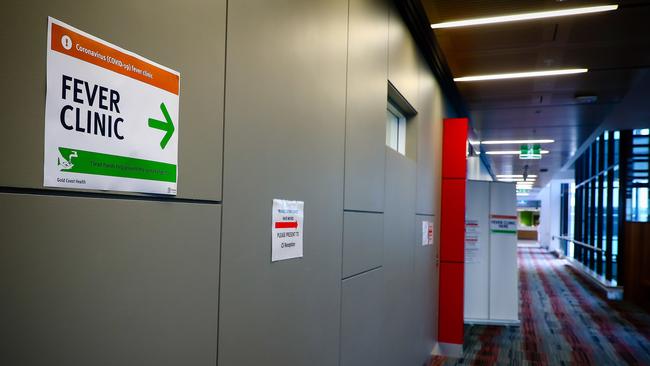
(530, 152)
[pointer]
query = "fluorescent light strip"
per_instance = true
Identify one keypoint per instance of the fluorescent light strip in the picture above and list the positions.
(515, 176)
(518, 75)
(516, 180)
(524, 16)
(499, 142)
(509, 152)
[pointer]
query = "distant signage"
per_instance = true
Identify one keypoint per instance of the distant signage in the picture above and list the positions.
(111, 116)
(286, 229)
(503, 224)
(472, 244)
(427, 233)
(530, 152)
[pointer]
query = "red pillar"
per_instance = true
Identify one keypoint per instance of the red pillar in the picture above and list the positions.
(452, 233)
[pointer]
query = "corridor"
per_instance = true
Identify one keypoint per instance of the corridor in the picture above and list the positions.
(564, 321)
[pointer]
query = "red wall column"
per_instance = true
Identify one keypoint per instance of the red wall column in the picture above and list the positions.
(452, 232)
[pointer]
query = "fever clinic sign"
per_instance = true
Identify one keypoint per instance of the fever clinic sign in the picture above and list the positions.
(286, 229)
(503, 224)
(111, 116)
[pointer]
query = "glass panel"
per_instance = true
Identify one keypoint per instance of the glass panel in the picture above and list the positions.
(615, 213)
(572, 209)
(639, 204)
(596, 157)
(401, 136)
(603, 231)
(392, 124)
(606, 150)
(617, 146)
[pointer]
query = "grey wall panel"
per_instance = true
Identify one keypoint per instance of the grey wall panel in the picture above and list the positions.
(363, 242)
(107, 282)
(429, 142)
(148, 27)
(284, 138)
(426, 291)
(366, 105)
(362, 315)
(399, 240)
(402, 59)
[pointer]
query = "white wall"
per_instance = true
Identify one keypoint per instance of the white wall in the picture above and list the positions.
(549, 218)
(476, 170)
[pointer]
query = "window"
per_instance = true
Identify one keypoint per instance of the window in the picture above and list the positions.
(638, 177)
(395, 129)
(612, 185)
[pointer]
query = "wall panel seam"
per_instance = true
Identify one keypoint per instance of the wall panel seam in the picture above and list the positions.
(361, 273)
(223, 170)
(363, 211)
(102, 195)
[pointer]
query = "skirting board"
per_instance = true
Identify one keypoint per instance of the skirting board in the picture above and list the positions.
(448, 350)
(515, 322)
(612, 291)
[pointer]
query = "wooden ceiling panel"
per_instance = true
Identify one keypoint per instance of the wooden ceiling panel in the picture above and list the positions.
(467, 40)
(441, 11)
(624, 26)
(613, 45)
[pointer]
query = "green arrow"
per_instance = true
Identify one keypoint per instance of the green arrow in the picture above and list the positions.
(164, 126)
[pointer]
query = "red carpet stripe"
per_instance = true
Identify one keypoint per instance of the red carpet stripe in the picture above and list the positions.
(602, 321)
(581, 354)
(489, 352)
(531, 352)
(564, 321)
(641, 326)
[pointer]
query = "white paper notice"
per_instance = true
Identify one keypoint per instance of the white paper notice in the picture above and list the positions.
(427, 233)
(287, 229)
(472, 231)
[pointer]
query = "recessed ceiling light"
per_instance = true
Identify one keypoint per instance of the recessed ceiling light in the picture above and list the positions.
(515, 176)
(509, 152)
(518, 75)
(500, 142)
(524, 16)
(518, 180)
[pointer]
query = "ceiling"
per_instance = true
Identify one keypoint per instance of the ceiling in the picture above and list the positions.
(614, 46)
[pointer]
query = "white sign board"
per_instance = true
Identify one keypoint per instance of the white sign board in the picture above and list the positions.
(287, 229)
(427, 233)
(503, 224)
(111, 116)
(472, 232)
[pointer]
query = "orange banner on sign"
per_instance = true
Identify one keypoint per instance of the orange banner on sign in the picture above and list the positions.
(76, 45)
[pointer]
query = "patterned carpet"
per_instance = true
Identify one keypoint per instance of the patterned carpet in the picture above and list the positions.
(564, 321)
